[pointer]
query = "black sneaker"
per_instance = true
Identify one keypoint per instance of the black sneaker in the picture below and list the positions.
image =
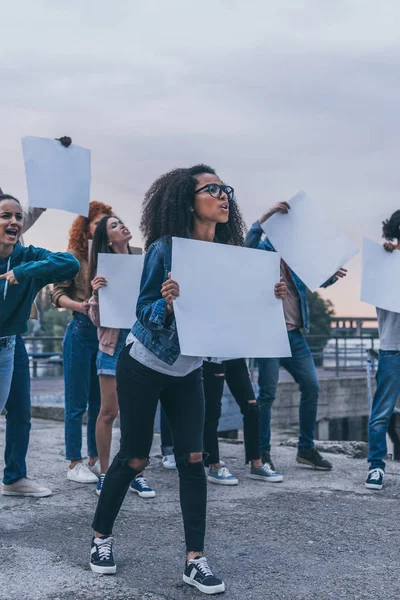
(199, 574)
(101, 556)
(311, 457)
(375, 479)
(266, 459)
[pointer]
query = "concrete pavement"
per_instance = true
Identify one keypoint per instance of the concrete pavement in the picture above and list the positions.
(315, 536)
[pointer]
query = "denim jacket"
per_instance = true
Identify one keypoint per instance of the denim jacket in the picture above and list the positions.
(155, 328)
(253, 240)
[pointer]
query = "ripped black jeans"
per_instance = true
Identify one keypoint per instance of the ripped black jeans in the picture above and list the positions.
(236, 374)
(139, 389)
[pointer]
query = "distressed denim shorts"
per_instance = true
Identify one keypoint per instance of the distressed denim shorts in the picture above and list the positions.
(106, 364)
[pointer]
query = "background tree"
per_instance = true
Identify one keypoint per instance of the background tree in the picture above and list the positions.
(321, 313)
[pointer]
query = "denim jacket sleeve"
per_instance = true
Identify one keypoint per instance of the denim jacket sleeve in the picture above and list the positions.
(253, 237)
(329, 282)
(151, 308)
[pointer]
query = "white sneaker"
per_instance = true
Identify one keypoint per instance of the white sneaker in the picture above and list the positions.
(96, 468)
(168, 462)
(26, 487)
(81, 474)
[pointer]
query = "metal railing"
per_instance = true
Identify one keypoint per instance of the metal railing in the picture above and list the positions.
(337, 353)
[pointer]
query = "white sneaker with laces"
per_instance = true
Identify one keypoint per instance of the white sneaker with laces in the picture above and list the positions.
(26, 487)
(168, 461)
(96, 468)
(81, 474)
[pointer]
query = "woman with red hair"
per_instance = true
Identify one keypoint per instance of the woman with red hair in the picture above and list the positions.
(80, 349)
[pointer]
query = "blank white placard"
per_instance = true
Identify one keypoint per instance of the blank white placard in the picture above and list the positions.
(117, 301)
(308, 241)
(227, 306)
(380, 276)
(57, 177)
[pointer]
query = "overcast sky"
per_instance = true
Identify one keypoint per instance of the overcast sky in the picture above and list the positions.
(276, 96)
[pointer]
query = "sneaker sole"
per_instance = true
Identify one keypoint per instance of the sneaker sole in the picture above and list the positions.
(373, 486)
(304, 461)
(75, 480)
(143, 494)
(216, 589)
(28, 494)
(267, 479)
(103, 570)
(220, 482)
(169, 468)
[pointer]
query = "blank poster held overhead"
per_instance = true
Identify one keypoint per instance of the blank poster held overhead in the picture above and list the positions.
(57, 177)
(380, 276)
(313, 247)
(227, 306)
(117, 301)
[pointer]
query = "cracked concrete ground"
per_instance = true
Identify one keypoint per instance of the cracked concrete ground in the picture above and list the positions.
(315, 536)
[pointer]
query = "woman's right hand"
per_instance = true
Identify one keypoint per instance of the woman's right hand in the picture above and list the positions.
(389, 247)
(98, 282)
(282, 207)
(170, 292)
(83, 307)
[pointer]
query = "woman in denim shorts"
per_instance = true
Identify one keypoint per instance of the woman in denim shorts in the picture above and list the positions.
(111, 236)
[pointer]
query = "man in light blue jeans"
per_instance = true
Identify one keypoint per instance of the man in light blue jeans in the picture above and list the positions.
(300, 365)
(388, 374)
(7, 349)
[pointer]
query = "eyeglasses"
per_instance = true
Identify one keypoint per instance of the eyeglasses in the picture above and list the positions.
(215, 190)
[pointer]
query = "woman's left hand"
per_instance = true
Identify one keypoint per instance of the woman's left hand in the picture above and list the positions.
(170, 292)
(280, 290)
(10, 277)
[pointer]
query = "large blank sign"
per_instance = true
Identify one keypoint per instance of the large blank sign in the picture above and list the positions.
(380, 278)
(117, 301)
(227, 306)
(307, 240)
(57, 177)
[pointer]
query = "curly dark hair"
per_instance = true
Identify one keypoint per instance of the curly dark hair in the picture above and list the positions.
(167, 204)
(391, 227)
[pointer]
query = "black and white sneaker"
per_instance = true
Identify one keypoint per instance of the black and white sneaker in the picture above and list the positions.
(375, 479)
(199, 574)
(101, 556)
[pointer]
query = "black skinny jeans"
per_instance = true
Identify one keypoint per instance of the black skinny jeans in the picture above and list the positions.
(238, 380)
(182, 398)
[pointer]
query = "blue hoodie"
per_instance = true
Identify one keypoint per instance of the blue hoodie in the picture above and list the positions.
(34, 268)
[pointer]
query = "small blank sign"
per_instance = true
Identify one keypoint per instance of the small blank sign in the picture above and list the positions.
(380, 276)
(118, 299)
(57, 177)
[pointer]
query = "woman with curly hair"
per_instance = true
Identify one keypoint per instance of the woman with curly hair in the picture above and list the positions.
(80, 351)
(187, 203)
(194, 203)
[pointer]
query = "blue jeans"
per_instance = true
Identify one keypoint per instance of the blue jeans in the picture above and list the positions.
(82, 390)
(18, 417)
(302, 368)
(384, 402)
(7, 348)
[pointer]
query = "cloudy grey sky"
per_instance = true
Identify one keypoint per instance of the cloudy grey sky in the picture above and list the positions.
(276, 95)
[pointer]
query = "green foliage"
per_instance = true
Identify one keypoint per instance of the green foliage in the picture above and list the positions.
(52, 321)
(321, 312)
